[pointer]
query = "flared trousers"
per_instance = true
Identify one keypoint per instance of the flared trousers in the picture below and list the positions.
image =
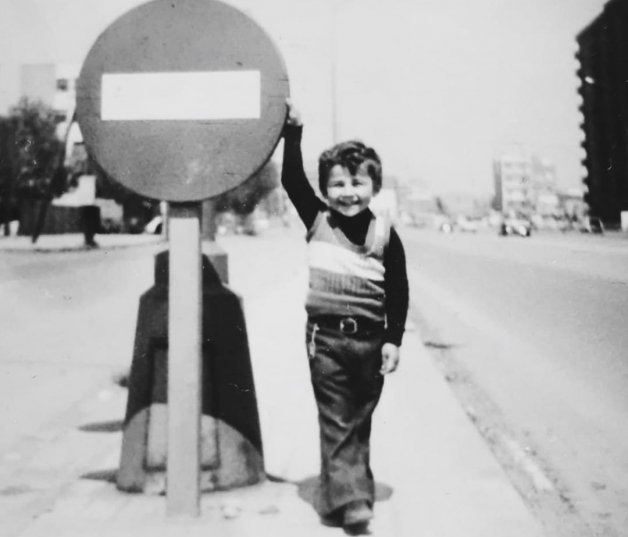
(347, 385)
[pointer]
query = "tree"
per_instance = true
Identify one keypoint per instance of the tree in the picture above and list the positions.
(8, 207)
(243, 199)
(40, 154)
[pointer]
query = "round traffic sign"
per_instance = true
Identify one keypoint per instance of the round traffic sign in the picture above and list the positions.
(182, 100)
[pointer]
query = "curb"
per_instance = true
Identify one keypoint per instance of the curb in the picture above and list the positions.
(30, 248)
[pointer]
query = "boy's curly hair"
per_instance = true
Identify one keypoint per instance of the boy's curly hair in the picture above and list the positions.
(351, 155)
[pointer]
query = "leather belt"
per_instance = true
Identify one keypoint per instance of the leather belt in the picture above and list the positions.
(348, 325)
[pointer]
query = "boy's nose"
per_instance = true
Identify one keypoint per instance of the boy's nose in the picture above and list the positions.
(347, 190)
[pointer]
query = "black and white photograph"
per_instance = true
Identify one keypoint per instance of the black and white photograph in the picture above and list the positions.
(313, 267)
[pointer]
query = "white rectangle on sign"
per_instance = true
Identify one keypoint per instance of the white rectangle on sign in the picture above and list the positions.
(180, 95)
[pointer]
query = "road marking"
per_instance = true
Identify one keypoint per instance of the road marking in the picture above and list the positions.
(525, 462)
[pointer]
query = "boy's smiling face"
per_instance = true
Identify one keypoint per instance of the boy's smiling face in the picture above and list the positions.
(349, 194)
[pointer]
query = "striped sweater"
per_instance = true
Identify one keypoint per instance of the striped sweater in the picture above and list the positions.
(346, 279)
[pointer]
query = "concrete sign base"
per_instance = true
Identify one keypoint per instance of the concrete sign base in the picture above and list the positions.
(231, 444)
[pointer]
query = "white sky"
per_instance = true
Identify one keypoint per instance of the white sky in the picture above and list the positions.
(438, 87)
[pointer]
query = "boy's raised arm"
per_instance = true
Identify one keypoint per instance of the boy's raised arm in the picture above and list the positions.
(293, 176)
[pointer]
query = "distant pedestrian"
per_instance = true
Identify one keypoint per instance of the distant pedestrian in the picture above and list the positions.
(82, 176)
(356, 306)
(90, 224)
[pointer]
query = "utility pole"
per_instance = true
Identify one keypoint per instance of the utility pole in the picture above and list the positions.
(334, 9)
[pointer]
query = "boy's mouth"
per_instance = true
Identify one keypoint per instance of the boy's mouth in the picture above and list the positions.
(349, 209)
(348, 203)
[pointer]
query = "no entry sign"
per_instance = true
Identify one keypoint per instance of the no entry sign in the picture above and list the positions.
(181, 100)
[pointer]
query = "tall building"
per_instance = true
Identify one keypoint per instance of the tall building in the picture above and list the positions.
(37, 82)
(603, 57)
(52, 84)
(512, 184)
(543, 189)
(524, 185)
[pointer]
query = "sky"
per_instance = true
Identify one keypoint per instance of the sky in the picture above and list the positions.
(438, 87)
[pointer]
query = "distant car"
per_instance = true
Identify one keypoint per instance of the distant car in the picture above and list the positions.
(467, 225)
(255, 223)
(516, 226)
(154, 226)
(109, 225)
(592, 224)
(133, 225)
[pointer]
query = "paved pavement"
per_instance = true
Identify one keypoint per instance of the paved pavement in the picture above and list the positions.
(72, 242)
(436, 477)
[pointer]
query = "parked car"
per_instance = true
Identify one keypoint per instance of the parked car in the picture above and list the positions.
(515, 225)
(154, 226)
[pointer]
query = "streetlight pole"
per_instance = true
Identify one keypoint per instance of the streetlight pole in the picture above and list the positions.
(334, 8)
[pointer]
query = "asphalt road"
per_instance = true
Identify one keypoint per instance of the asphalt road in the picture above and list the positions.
(532, 334)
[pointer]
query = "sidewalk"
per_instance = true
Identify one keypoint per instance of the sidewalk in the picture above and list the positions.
(67, 242)
(435, 475)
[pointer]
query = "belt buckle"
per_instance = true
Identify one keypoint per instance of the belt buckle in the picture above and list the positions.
(348, 325)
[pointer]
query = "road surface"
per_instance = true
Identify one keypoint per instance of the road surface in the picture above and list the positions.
(532, 334)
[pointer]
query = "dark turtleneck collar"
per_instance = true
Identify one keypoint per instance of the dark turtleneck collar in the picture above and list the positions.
(355, 227)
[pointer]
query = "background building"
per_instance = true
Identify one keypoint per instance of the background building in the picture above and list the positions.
(525, 185)
(543, 189)
(603, 56)
(53, 84)
(512, 184)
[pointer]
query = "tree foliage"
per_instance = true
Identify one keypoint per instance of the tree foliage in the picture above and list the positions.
(7, 151)
(39, 153)
(243, 199)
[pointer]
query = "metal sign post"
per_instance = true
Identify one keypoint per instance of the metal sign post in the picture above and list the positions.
(180, 101)
(184, 360)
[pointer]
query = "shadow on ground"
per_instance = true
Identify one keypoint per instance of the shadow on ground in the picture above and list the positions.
(307, 488)
(109, 475)
(113, 426)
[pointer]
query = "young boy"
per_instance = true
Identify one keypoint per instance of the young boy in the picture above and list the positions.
(356, 305)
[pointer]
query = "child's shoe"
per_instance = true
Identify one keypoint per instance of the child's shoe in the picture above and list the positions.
(357, 515)
(333, 519)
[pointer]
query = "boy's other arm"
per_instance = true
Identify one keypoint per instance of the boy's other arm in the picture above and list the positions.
(396, 286)
(390, 358)
(294, 180)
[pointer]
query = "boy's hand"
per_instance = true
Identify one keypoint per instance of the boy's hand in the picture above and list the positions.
(390, 358)
(294, 117)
